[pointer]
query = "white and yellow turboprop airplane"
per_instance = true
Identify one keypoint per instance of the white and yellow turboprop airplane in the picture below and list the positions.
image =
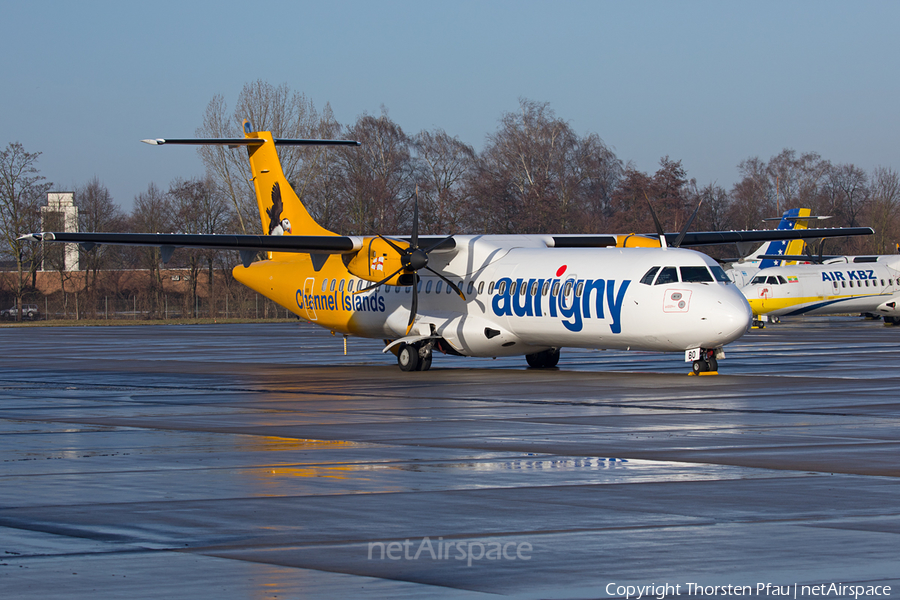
(840, 285)
(477, 295)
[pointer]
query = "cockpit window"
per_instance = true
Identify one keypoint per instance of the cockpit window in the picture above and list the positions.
(647, 279)
(759, 279)
(772, 280)
(695, 274)
(719, 274)
(667, 275)
(782, 279)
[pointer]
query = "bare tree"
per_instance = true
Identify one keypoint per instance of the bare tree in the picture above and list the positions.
(713, 214)
(97, 212)
(530, 152)
(753, 196)
(378, 178)
(540, 175)
(599, 173)
(848, 185)
(321, 191)
(286, 114)
(668, 191)
(22, 191)
(883, 208)
(445, 165)
(152, 213)
(629, 203)
(199, 209)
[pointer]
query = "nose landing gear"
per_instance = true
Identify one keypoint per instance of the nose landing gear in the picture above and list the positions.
(707, 363)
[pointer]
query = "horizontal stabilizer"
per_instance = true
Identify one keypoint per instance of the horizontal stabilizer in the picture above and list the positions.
(247, 142)
(799, 257)
(798, 218)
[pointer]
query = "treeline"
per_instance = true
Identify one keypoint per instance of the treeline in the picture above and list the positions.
(534, 174)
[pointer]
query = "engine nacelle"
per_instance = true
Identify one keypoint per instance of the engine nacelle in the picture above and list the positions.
(890, 308)
(474, 336)
(637, 240)
(377, 259)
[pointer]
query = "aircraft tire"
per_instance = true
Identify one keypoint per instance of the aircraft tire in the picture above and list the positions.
(700, 366)
(552, 358)
(543, 360)
(534, 360)
(408, 357)
(424, 363)
(712, 364)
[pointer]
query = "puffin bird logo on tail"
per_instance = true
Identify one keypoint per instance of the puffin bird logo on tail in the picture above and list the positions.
(277, 225)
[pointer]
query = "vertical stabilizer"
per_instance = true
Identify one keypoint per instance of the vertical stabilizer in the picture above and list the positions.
(280, 209)
(791, 219)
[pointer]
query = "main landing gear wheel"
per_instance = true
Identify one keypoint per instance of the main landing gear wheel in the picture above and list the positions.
(543, 360)
(408, 357)
(414, 358)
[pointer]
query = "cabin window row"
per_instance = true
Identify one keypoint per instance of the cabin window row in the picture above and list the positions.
(429, 286)
(331, 285)
(861, 283)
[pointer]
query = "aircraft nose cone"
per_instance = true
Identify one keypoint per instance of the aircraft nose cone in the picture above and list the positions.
(733, 315)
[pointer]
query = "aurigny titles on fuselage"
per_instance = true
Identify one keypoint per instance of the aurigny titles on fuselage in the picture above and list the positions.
(523, 298)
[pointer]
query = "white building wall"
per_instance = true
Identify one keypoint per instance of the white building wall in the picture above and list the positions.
(61, 203)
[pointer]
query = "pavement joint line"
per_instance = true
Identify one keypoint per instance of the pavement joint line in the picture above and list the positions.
(500, 401)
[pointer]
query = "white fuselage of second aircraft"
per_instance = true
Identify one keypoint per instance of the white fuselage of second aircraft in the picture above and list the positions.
(849, 284)
(524, 297)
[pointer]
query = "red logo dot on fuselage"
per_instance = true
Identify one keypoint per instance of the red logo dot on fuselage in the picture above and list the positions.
(560, 271)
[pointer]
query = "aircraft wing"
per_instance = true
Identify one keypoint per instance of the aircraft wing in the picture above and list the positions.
(247, 245)
(711, 238)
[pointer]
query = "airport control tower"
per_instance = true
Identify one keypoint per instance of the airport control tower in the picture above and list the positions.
(60, 214)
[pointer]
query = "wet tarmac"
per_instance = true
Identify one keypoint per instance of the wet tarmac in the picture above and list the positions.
(257, 461)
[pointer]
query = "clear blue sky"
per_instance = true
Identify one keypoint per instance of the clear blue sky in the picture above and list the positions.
(707, 83)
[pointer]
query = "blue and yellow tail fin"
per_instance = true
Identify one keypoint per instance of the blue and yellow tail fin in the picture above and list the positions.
(795, 218)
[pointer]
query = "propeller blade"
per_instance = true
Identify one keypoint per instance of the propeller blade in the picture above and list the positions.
(659, 229)
(400, 250)
(684, 229)
(415, 230)
(414, 308)
(375, 285)
(450, 283)
(433, 246)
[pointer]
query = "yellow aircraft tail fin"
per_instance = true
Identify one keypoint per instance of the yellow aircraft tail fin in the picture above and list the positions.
(280, 208)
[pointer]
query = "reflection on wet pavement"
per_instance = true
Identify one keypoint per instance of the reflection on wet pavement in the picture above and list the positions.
(188, 464)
